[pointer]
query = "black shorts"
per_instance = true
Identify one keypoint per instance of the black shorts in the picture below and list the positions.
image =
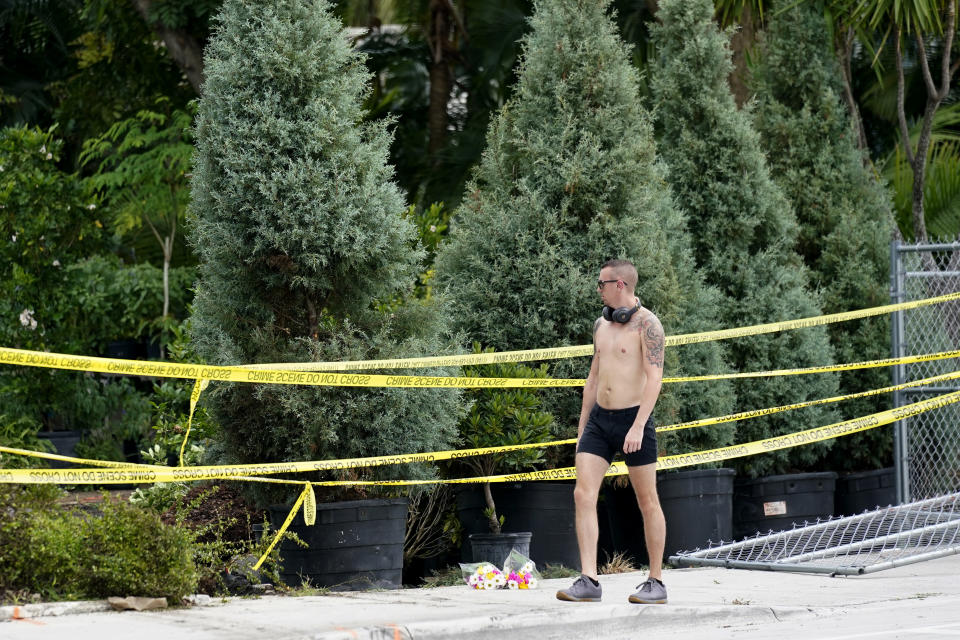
(607, 429)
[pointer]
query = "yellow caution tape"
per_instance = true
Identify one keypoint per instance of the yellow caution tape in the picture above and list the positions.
(827, 368)
(757, 413)
(198, 388)
(118, 474)
(460, 360)
(309, 506)
(587, 350)
(786, 441)
(446, 455)
(121, 474)
(241, 374)
(307, 490)
(311, 373)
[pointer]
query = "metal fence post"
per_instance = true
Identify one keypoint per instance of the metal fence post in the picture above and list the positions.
(901, 471)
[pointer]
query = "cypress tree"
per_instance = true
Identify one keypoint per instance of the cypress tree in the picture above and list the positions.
(845, 214)
(568, 181)
(304, 253)
(742, 226)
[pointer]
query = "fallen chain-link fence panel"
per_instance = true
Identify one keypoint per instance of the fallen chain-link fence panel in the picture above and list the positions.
(872, 541)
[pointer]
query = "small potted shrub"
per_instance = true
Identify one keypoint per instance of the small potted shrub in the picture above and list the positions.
(500, 417)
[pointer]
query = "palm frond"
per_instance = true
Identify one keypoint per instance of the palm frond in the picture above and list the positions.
(942, 192)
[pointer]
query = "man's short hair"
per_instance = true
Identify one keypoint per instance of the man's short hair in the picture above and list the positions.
(624, 269)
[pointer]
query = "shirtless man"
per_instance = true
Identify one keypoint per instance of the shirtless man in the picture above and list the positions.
(618, 399)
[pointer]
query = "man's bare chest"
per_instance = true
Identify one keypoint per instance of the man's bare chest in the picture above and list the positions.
(618, 343)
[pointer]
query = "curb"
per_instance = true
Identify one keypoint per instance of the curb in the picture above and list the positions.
(44, 609)
(67, 608)
(597, 620)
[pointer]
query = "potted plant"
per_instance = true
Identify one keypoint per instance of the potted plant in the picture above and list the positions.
(305, 257)
(501, 417)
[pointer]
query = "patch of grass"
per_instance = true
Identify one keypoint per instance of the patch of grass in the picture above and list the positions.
(449, 577)
(619, 562)
(307, 589)
(557, 571)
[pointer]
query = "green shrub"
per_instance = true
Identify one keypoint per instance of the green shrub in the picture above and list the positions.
(21, 433)
(743, 230)
(570, 179)
(305, 253)
(18, 503)
(844, 211)
(121, 550)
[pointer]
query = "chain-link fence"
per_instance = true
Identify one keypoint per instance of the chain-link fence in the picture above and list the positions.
(927, 446)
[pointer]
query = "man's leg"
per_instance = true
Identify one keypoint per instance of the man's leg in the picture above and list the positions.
(644, 481)
(590, 471)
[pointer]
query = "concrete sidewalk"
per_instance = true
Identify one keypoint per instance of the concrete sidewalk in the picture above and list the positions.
(703, 603)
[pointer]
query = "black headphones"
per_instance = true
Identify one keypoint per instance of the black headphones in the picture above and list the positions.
(621, 315)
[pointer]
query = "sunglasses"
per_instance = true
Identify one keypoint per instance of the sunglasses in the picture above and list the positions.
(600, 283)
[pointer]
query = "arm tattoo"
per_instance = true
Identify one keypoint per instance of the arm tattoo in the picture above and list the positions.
(653, 340)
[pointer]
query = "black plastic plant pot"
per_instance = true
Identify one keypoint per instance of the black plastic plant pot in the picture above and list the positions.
(545, 509)
(698, 508)
(64, 443)
(495, 547)
(865, 491)
(778, 503)
(353, 546)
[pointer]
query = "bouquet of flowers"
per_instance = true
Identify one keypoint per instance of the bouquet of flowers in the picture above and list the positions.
(483, 575)
(519, 572)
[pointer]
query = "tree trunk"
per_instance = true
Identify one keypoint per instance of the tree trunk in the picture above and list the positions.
(741, 41)
(183, 48)
(166, 285)
(441, 23)
(494, 521)
(919, 166)
(845, 49)
(917, 158)
(167, 259)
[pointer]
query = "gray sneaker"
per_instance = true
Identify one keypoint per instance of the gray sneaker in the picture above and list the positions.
(651, 592)
(582, 590)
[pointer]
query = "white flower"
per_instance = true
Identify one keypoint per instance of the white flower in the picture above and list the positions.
(43, 149)
(91, 206)
(512, 584)
(27, 319)
(13, 238)
(49, 156)
(433, 228)
(56, 263)
(527, 567)
(532, 583)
